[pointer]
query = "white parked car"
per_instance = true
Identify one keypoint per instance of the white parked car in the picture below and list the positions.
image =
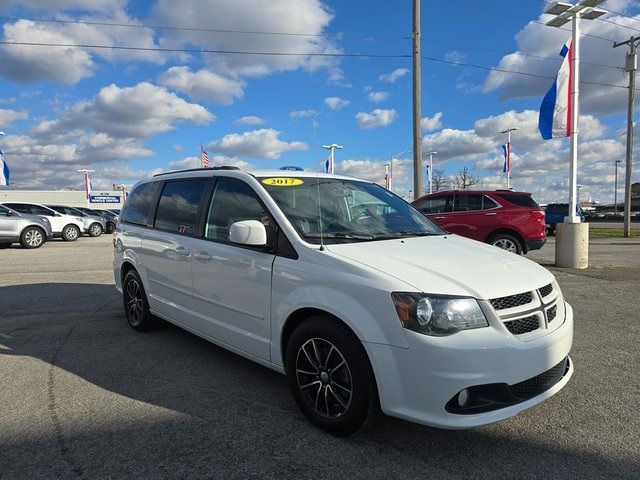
(92, 224)
(357, 306)
(63, 226)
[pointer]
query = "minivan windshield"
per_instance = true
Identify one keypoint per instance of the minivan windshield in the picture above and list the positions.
(345, 210)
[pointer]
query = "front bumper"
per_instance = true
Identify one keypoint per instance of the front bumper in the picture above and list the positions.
(418, 382)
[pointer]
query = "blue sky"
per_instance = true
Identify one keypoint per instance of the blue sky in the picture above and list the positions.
(128, 114)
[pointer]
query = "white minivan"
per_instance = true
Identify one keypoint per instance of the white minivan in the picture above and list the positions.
(359, 307)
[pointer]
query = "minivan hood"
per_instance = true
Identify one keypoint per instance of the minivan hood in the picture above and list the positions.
(449, 265)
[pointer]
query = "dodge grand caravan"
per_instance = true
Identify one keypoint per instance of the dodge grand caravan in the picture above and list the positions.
(359, 307)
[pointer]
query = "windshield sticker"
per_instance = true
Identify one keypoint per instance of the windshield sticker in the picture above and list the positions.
(282, 181)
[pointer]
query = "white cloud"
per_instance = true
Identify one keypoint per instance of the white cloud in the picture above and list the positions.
(376, 118)
(377, 96)
(203, 85)
(249, 120)
(301, 114)
(7, 117)
(393, 76)
(136, 112)
(263, 143)
(336, 103)
(431, 123)
(455, 56)
(291, 16)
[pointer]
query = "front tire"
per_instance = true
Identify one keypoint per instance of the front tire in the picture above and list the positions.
(32, 237)
(70, 233)
(330, 376)
(506, 242)
(136, 306)
(95, 230)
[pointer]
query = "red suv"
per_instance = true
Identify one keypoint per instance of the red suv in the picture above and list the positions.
(509, 220)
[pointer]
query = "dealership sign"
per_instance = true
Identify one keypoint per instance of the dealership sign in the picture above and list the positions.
(104, 198)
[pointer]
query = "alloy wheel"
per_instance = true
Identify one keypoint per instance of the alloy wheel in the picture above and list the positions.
(324, 378)
(134, 303)
(72, 233)
(33, 238)
(506, 244)
(96, 230)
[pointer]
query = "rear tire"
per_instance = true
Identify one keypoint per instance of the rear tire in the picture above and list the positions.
(111, 227)
(506, 242)
(70, 233)
(136, 306)
(32, 237)
(330, 376)
(95, 230)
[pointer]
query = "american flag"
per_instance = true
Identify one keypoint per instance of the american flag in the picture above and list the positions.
(204, 158)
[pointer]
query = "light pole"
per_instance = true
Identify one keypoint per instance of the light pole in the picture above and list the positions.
(395, 157)
(615, 189)
(564, 13)
(417, 101)
(578, 193)
(508, 159)
(332, 148)
(386, 176)
(572, 237)
(431, 154)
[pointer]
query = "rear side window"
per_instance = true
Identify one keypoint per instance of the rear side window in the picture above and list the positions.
(19, 207)
(178, 206)
(436, 205)
(488, 204)
(467, 202)
(38, 210)
(519, 199)
(138, 204)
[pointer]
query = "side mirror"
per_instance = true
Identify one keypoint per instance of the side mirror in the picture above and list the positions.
(9, 213)
(248, 232)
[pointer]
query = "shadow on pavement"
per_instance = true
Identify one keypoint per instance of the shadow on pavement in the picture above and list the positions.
(186, 408)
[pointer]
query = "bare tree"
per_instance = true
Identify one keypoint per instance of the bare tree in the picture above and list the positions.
(439, 179)
(466, 178)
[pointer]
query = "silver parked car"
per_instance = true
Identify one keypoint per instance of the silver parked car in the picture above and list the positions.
(94, 225)
(31, 231)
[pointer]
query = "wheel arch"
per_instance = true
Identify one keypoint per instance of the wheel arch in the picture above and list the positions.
(508, 231)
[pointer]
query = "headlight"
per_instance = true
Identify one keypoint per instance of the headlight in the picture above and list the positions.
(436, 315)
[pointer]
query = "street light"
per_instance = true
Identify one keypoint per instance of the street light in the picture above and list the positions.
(394, 157)
(508, 159)
(615, 189)
(564, 13)
(431, 154)
(331, 147)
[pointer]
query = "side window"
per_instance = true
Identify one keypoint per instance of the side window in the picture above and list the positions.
(488, 204)
(38, 210)
(234, 201)
(178, 207)
(19, 207)
(467, 202)
(3, 211)
(436, 205)
(138, 205)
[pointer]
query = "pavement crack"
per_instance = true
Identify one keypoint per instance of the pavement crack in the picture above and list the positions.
(52, 408)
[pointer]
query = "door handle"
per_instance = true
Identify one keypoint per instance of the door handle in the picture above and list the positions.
(490, 214)
(183, 251)
(438, 218)
(203, 256)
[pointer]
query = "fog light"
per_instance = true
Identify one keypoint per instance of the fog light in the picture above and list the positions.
(463, 396)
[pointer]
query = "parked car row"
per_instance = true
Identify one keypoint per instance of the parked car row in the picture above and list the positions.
(32, 224)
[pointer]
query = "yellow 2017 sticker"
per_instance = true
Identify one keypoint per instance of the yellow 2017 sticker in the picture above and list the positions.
(282, 181)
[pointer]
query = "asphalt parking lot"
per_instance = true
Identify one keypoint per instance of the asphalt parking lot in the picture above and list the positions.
(84, 396)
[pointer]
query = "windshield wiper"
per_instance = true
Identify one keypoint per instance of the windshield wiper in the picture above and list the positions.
(405, 233)
(341, 235)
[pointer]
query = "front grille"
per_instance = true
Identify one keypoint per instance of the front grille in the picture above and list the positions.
(511, 301)
(540, 383)
(523, 325)
(546, 290)
(551, 313)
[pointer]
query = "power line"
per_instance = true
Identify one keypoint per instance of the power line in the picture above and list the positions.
(308, 54)
(202, 29)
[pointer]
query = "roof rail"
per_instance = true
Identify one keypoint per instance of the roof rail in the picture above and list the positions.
(221, 167)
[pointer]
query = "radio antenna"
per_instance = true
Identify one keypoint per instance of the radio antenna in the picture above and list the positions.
(319, 212)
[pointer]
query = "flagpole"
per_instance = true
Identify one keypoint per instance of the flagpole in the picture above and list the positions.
(575, 95)
(509, 160)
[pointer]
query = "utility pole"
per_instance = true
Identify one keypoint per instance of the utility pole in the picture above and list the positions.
(615, 189)
(417, 100)
(332, 148)
(631, 67)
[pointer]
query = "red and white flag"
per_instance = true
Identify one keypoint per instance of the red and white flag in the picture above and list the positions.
(204, 158)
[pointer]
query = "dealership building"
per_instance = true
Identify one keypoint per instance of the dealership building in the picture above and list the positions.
(98, 199)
